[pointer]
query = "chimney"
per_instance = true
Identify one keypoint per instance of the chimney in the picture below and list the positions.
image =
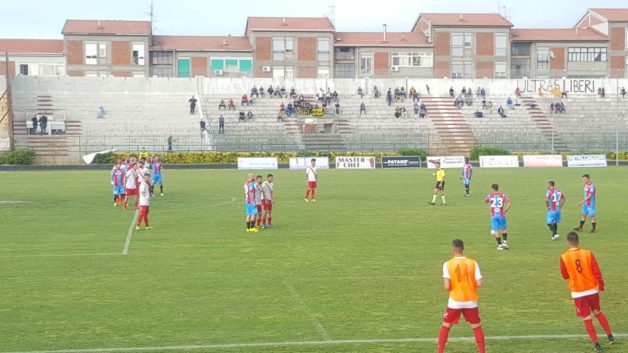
(403, 37)
(224, 42)
(99, 26)
(460, 17)
(429, 31)
(283, 22)
(576, 30)
(385, 32)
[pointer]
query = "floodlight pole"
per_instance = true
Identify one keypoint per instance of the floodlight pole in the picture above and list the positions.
(617, 123)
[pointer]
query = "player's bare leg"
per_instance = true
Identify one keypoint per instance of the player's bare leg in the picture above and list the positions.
(498, 239)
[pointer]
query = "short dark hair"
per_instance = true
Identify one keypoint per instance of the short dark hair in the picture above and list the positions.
(551, 183)
(258, 177)
(586, 176)
(495, 187)
(313, 160)
(573, 238)
(458, 244)
(466, 159)
(269, 175)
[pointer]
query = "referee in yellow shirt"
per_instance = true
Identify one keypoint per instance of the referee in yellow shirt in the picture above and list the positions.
(439, 189)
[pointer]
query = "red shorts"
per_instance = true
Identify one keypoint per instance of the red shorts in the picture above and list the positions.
(267, 205)
(452, 316)
(132, 192)
(259, 209)
(311, 184)
(584, 305)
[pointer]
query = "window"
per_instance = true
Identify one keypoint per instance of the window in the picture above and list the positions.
(500, 44)
(344, 53)
(91, 52)
(457, 43)
(278, 73)
(102, 50)
(366, 64)
(323, 72)
(586, 54)
(344, 71)
(520, 49)
(289, 73)
(283, 48)
(138, 54)
(468, 40)
(162, 58)
(24, 69)
(542, 59)
(461, 70)
(233, 65)
(412, 59)
(322, 48)
(162, 72)
(500, 70)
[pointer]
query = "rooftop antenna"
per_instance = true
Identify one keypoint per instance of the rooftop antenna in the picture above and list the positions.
(332, 14)
(151, 14)
(385, 30)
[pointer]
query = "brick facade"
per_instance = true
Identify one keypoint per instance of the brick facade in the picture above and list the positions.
(442, 43)
(485, 44)
(381, 64)
(558, 61)
(199, 66)
(484, 69)
(306, 48)
(261, 74)
(618, 66)
(121, 74)
(306, 71)
(263, 48)
(75, 73)
(618, 38)
(74, 52)
(442, 69)
(120, 53)
(3, 69)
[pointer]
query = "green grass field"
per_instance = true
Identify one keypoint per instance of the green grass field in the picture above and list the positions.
(361, 268)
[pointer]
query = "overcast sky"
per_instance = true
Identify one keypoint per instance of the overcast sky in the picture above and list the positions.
(45, 18)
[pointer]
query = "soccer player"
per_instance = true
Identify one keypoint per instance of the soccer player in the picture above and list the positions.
(467, 172)
(268, 201)
(157, 178)
(144, 193)
(588, 204)
(554, 200)
(130, 183)
(462, 278)
(499, 205)
(439, 189)
(117, 177)
(259, 199)
(312, 180)
(580, 267)
(249, 197)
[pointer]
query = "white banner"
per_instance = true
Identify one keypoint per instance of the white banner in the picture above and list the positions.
(499, 162)
(446, 162)
(591, 160)
(355, 162)
(257, 163)
(543, 161)
(300, 163)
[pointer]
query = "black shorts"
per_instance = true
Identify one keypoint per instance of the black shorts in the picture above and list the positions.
(440, 185)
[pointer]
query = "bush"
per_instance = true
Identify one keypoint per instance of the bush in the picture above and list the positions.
(413, 152)
(623, 155)
(105, 158)
(487, 151)
(18, 157)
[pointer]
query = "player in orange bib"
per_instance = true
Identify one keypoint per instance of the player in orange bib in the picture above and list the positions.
(462, 278)
(580, 267)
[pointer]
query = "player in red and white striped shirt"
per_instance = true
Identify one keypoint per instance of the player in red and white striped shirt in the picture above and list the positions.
(144, 195)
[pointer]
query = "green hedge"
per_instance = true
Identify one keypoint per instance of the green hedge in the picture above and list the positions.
(18, 157)
(413, 152)
(487, 151)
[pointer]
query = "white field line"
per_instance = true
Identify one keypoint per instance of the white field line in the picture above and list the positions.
(129, 234)
(301, 304)
(56, 255)
(224, 203)
(308, 343)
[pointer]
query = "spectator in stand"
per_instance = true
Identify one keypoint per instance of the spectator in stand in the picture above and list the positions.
(459, 102)
(249, 115)
(416, 107)
(422, 110)
(509, 103)
(397, 94)
(362, 108)
(402, 92)
(478, 114)
(221, 124)
(337, 108)
(283, 92)
(427, 89)
(203, 126)
(270, 91)
(244, 100)
(559, 108)
(293, 93)
(517, 92)
(222, 105)
(564, 95)
(335, 96)
(603, 92)
(478, 92)
(169, 140)
(261, 91)
(192, 102)
(464, 91)
(451, 92)
(489, 107)
(231, 104)
(468, 99)
(254, 92)
(623, 92)
(280, 116)
(500, 111)
(360, 93)
(289, 110)
(376, 92)
(404, 114)
(397, 112)
(282, 107)
(540, 92)
(552, 108)
(100, 113)
(242, 116)
(389, 97)
(43, 123)
(413, 93)
(35, 121)
(483, 92)
(483, 103)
